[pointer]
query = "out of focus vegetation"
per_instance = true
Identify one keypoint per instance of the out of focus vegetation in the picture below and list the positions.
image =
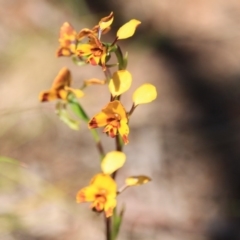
(187, 141)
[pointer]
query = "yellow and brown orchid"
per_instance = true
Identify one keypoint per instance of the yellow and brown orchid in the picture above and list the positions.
(94, 52)
(114, 119)
(102, 190)
(60, 88)
(68, 40)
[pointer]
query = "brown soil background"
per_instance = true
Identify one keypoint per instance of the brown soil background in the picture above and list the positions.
(187, 140)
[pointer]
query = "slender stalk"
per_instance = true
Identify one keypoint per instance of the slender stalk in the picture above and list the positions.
(80, 112)
(107, 74)
(119, 56)
(98, 143)
(119, 147)
(118, 141)
(108, 222)
(131, 110)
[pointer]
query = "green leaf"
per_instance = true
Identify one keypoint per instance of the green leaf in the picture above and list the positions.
(65, 117)
(9, 160)
(117, 221)
(77, 108)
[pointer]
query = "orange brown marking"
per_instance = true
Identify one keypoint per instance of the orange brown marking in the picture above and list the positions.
(93, 123)
(43, 97)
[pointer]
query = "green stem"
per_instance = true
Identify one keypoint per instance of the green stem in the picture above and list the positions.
(98, 143)
(119, 147)
(107, 74)
(79, 111)
(119, 56)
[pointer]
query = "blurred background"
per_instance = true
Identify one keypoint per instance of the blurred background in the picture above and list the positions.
(187, 140)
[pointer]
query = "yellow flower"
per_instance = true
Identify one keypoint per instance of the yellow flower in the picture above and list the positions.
(60, 88)
(68, 40)
(115, 120)
(102, 190)
(94, 51)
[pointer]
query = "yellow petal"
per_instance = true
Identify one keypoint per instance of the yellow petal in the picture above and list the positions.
(113, 161)
(94, 81)
(120, 82)
(84, 49)
(128, 29)
(105, 184)
(77, 92)
(106, 21)
(115, 108)
(99, 120)
(109, 206)
(111, 130)
(67, 30)
(144, 94)
(137, 180)
(86, 194)
(63, 94)
(124, 131)
(67, 40)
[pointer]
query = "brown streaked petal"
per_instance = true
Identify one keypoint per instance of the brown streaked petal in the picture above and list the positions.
(47, 96)
(99, 120)
(109, 206)
(105, 22)
(87, 194)
(93, 60)
(93, 123)
(85, 32)
(62, 79)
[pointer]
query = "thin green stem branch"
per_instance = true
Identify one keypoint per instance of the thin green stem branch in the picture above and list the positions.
(80, 112)
(98, 143)
(120, 59)
(119, 147)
